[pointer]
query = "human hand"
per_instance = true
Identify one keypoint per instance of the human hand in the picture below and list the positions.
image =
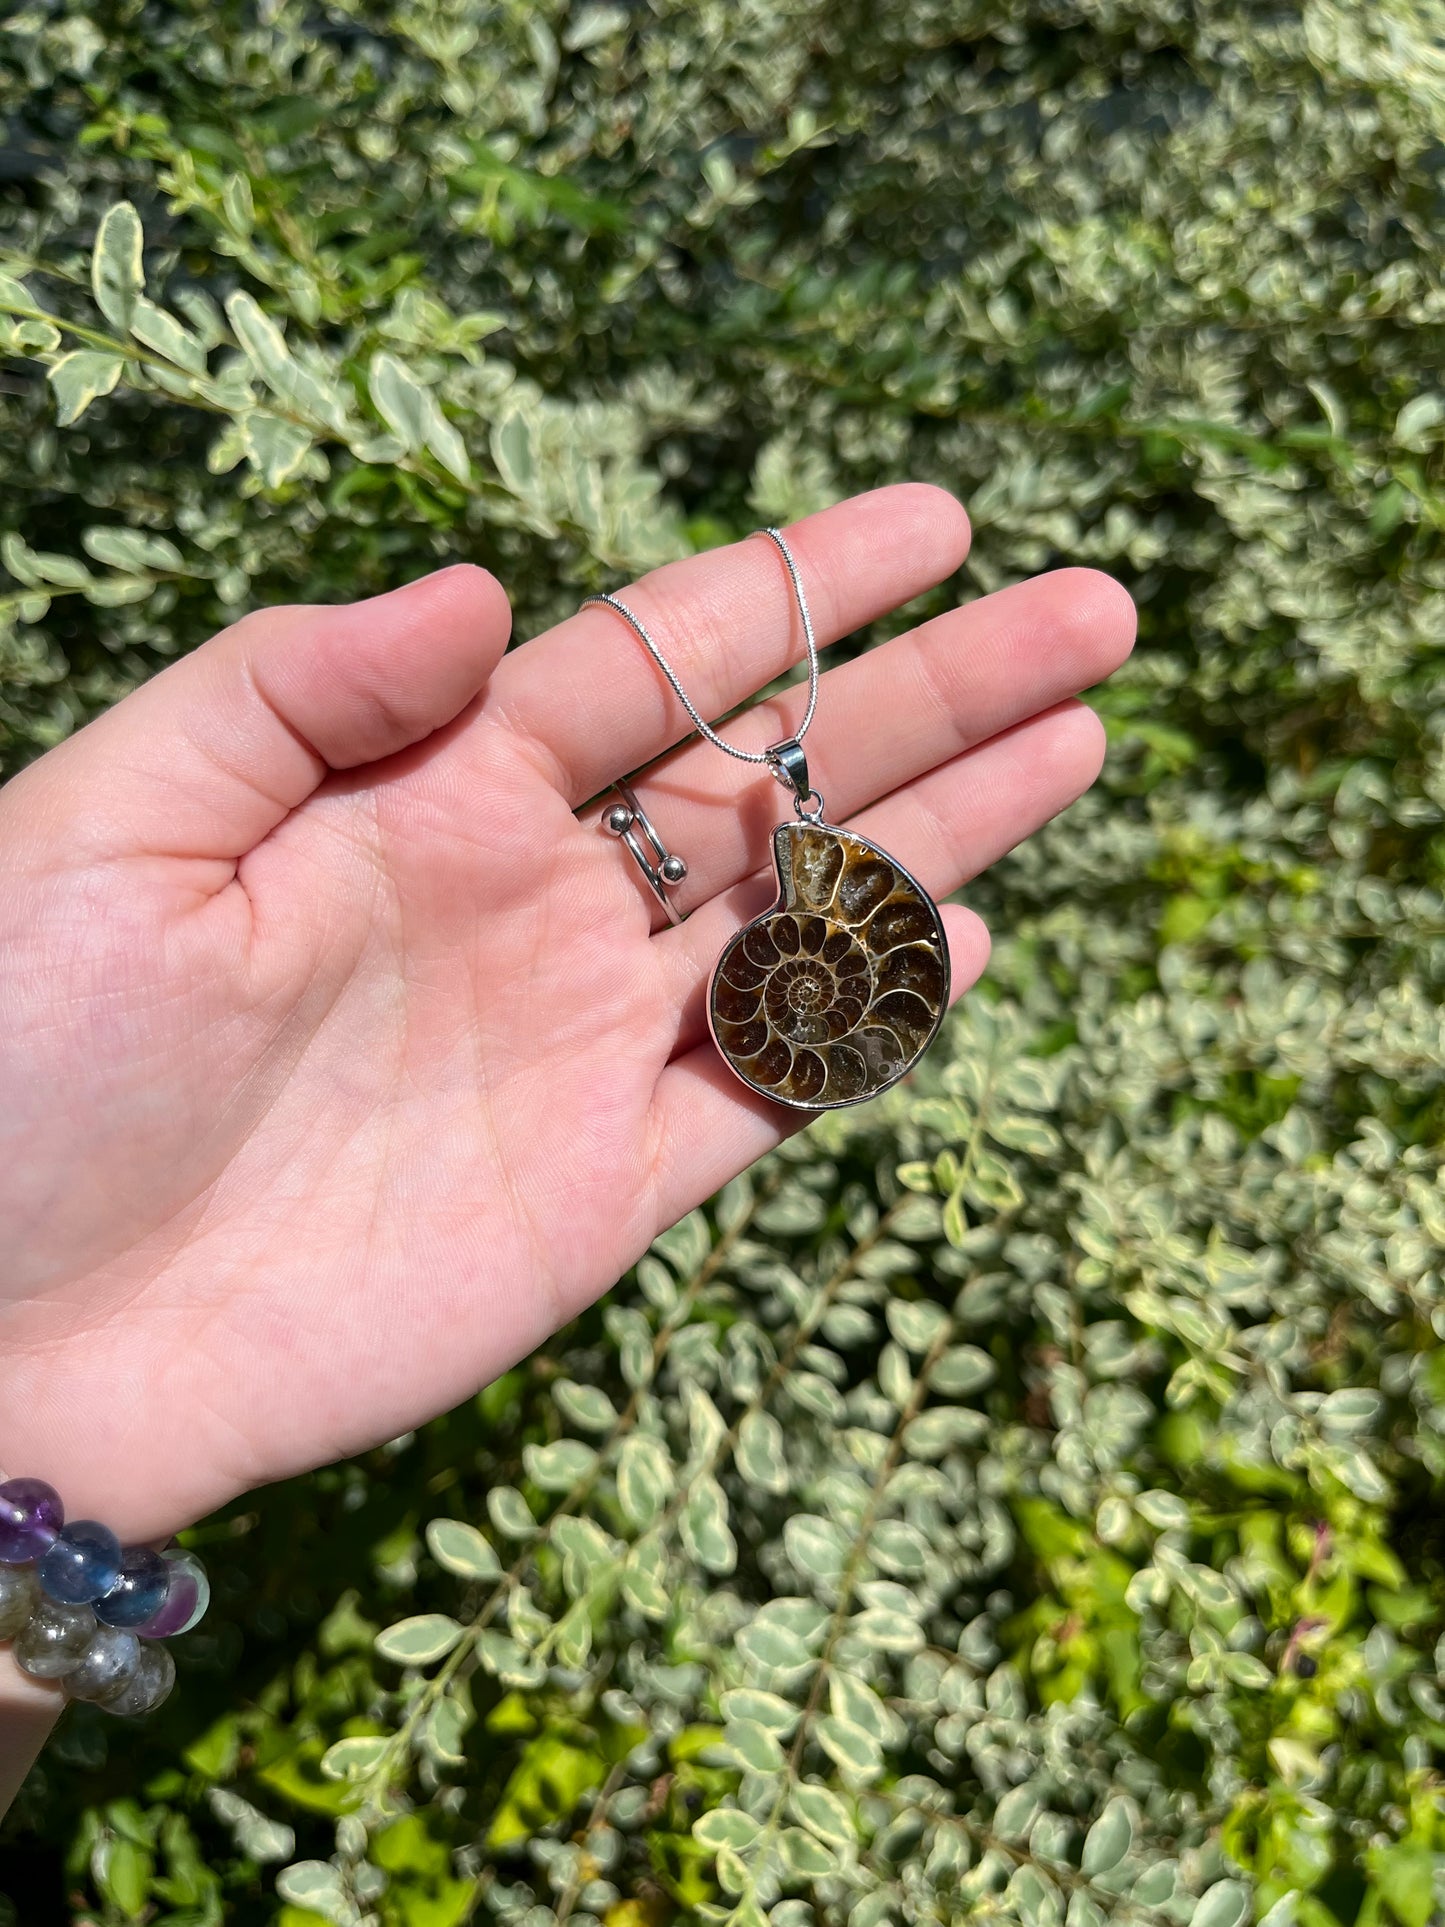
(342, 1062)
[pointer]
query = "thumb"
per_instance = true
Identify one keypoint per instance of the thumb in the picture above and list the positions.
(210, 755)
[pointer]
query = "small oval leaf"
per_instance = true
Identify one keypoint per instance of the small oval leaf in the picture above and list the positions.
(419, 1641)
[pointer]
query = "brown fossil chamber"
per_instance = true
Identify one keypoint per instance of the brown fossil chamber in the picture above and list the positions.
(837, 991)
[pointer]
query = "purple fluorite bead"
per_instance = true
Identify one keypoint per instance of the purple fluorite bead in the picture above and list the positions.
(186, 1601)
(30, 1516)
(140, 1591)
(82, 1564)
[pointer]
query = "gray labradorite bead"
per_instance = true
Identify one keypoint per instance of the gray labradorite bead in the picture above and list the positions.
(54, 1639)
(19, 1596)
(108, 1665)
(148, 1685)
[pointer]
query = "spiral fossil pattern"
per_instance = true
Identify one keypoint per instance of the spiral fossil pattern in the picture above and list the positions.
(836, 992)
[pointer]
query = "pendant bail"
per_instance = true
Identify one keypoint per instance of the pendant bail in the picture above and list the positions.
(790, 766)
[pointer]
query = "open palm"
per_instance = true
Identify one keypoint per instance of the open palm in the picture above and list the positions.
(342, 1060)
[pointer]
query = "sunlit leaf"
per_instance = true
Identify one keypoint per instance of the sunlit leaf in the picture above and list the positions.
(420, 1640)
(80, 378)
(116, 275)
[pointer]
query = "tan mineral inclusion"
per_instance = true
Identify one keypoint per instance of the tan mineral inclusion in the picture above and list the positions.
(839, 989)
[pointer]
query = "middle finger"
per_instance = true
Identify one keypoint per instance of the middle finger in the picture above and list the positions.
(889, 717)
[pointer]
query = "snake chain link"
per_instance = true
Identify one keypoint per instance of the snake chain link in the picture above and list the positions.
(704, 727)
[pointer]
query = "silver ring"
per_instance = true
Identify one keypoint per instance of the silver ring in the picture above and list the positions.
(663, 870)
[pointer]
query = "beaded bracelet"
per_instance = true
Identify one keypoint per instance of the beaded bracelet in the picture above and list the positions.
(85, 1611)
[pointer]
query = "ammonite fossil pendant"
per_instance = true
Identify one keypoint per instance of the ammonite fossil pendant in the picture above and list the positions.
(839, 989)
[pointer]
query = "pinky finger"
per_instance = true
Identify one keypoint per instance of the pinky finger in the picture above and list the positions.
(708, 1126)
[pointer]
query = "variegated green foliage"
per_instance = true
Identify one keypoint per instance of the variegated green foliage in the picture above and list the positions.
(1019, 1501)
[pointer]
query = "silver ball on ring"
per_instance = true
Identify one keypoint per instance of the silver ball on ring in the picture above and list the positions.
(673, 869)
(618, 819)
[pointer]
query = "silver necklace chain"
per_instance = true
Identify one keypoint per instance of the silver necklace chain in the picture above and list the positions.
(767, 756)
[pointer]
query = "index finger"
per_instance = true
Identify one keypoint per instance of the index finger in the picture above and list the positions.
(591, 702)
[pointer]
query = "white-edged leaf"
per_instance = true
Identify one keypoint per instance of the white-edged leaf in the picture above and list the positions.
(261, 340)
(1351, 1409)
(805, 1617)
(514, 452)
(944, 1428)
(419, 1640)
(805, 1856)
(353, 1759)
(759, 1455)
(849, 1747)
(114, 591)
(1016, 1813)
(399, 398)
(823, 1813)
(274, 448)
(499, 1653)
(306, 1882)
(644, 1478)
(558, 1467)
(298, 388)
(16, 555)
(116, 274)
(59, 571)
(446, 1726)
(899, 1548)
(132, 550)
(259, 1837)
(586, 1406)
(778, 1715)
(886, 1630)
(1413, 424)
(161, 332)
(915, 1323)
(80, 378)
(1165, 1511)
(445, 442)
(238, 203)
(574, 1635)
(732, 1875)
(705, 1531)
(1225, 1904)
(962, 1371)
(642, 1580)
(772, 1648)
(1109, 1839)
(753, 1746)
(15, 297)
(586, 1550)
(816, 1547)
(854, 1701)
(510, 1513)
(725, 1827)
(1033, 1135)
(462, 1549)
